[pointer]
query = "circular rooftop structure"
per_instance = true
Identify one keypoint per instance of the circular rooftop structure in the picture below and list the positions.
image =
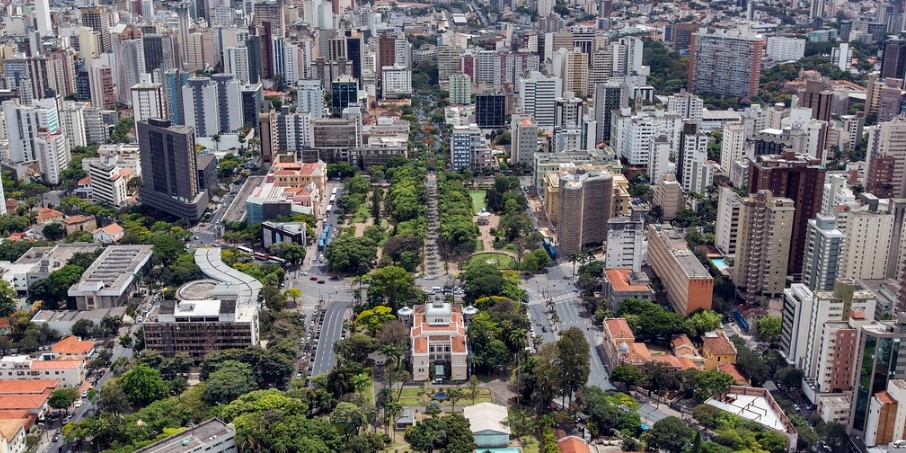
(197, 290)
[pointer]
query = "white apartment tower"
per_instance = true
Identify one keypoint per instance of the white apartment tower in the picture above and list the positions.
(524, 138)
(733, 146)
(537, 97)
(236, 62)
(149, 101)
(867, 244)
(72, 118)
(823, 252)
(727, 226)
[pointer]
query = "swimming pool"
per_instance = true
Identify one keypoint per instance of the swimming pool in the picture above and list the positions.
(720, 263)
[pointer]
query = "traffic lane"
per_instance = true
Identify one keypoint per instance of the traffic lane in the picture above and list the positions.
(541, 322)
(568, 312)
(331, 330)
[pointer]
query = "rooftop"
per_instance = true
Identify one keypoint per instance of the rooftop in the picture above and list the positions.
(718, 343)
(31, 386)
(72, 345)
(48, 316)
(113, 271)
(621, 280)
(679, 249)
(10, 427)
(487, 417)
(191, 439)
(754, 404)
(573, 444)
(619, 328)
(246, 286)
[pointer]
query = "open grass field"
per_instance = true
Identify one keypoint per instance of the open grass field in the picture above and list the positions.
(477, 200)
(410, 397)
(502, 261)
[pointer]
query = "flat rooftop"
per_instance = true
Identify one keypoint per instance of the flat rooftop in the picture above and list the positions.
(60, 253)
(755, 405)
(191, 439)
(75, 315)
(113, 271)
(208, 259)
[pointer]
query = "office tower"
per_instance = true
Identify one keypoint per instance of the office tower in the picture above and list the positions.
(96, 132)
(42, 17)
(253, 103)
(129, 54)
(783, 48)
(386, 52)
(354, 47)
(877, 361)
(253, 44)
(267, 129)
(201, 106)
(100, 78)
(53, 155)
(159, 52)
(585, 207)
(889, 100)
(448, 63)
(693, 171)
(726, 231)
(893, 61)
(98, 18)
(286, 61)
(763, 246)
(490, 110)
(236, 62)
(725, 62)
(668, 195)
(626, 242)
(72, 118)
(170, 170)
(799, 178)
(733, 146)
(569, 110)
(867, 244)
(609, 96)
(270, 12)
(823, 253)
(149, 101)
(689, 285)
(819, 95)
(524, 139)
(816, 9)
(687, 105)
(264, 46)
(460, 89)
(343, 91)
(200, 51)
(464, 141)
(310, 98)
(229, 111)
(659, 154)
(885, 175)
(537, 97)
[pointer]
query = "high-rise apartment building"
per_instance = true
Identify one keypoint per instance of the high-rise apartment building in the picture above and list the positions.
(98, 18)
(585, 207)
(286, 60)
(463, 142)
(763, 245)
(174, 81)
(228, 109)
(53, 155)
(160, 52)
(460, 89)
(236, 62)
(693, 171)
(893, 61)
(200, 105)
(823, 253)
(24, 123)
(689, 285)
(668, 195)
(626, 246)
(784, 48)
(575, 72)
(537, 97)
(733, 146)
(101, 80)
(129, 54)
(310, 98)
(72, 118)
(689, 106)
(877, 362)
(448, 63)
(609, 96)
(726, 232)
(725, 62)
(799, 178)
(170, 176)
(524, 139)
(886, 159)
(149, 101)
(867, 244)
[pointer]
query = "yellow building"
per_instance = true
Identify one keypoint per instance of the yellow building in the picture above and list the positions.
(287, 172)
(717, 350)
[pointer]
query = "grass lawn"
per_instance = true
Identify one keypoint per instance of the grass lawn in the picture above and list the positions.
(361, 214)
(500, 260)
(479, 245)
(477, 200)
(529, 444)
(410, 397)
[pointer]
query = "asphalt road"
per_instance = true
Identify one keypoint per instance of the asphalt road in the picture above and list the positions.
(331, 331)
(538, 312)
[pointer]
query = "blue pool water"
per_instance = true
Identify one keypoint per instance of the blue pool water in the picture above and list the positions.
(720, 263)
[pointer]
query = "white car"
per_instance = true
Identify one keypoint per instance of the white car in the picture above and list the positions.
(78, 403)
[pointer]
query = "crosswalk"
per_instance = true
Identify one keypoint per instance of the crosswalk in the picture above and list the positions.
(562, 297)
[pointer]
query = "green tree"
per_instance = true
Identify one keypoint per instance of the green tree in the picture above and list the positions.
(355, 349)
(703, 321)
(709, 383)
(349, 418)
(8, 299)
(769, 328)
(290, 251)
(293, 293)
(392, 286)
(274, 299)
(62, 398)
(482, 280)
(351, 255)
(628, 375)
(231, 380)
(373, 319)
(54, 231)
(575, 362)
(670, 434)
(450, 434)
(83, 328)
(143, 384)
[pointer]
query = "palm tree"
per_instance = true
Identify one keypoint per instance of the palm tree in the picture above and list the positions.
(517, 338)
(453, 395)
(216, 139)
(574, 258)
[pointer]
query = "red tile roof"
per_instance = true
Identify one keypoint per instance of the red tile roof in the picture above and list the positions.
(573, 444)
(72, 345)
(718, 344)
(31, 386)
